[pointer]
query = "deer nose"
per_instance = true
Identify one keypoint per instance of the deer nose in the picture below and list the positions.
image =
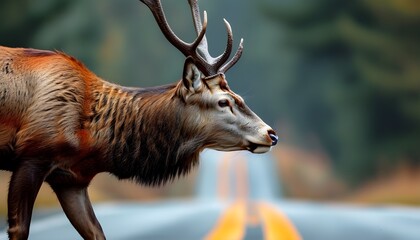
(274, 137)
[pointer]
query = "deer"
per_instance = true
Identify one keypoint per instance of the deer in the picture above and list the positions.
(61, 124)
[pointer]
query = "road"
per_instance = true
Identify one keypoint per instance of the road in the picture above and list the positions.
(238, 197)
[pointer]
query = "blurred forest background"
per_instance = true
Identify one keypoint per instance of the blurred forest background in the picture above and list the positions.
(340, 80)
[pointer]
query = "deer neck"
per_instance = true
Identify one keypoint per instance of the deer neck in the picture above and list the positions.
(145, 133)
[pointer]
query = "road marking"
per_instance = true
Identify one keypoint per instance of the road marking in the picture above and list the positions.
(244, 212)
(275, 224)
(231, 226)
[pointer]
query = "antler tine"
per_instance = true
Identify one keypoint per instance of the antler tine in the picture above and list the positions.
(217, 64)
(226, 54)
(195, 11)
(198, 49)
(155, 7)
(201, 34)
(203, 46)
(188, 49)
(235, 58)
(204, 63)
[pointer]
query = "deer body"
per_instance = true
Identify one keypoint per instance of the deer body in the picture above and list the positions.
(52, 106)
(61, 124)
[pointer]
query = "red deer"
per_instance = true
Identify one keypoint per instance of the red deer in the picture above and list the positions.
(61, 124)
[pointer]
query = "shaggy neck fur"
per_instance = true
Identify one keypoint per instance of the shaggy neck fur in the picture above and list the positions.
(148, 134)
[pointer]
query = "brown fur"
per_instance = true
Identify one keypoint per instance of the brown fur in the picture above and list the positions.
(62, 124)
(69, 115)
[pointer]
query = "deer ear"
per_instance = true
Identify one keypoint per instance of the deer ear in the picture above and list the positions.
(191, 76)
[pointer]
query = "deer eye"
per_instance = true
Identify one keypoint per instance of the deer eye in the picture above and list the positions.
(223, 103)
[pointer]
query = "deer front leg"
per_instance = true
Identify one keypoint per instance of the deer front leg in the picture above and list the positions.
(23, 189)
(76, 205)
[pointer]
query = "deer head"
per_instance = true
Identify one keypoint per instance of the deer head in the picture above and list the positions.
(220, 111)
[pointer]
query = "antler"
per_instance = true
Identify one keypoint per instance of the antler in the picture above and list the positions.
(198, 49)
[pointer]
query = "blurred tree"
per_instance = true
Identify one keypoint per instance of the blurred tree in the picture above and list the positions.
(356, 80)
(20, 19)
(71, 26)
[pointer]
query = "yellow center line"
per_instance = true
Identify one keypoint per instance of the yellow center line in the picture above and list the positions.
(243, 212)
(231, 226)
(276, 225)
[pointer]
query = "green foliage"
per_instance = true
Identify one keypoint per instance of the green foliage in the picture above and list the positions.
(343, 75)
(63, 25)
(356, 85)
(20, 17)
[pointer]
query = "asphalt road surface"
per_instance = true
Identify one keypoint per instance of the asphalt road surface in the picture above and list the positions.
(238, 197)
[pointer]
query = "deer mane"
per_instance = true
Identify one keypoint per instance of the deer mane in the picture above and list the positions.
(147, 136)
